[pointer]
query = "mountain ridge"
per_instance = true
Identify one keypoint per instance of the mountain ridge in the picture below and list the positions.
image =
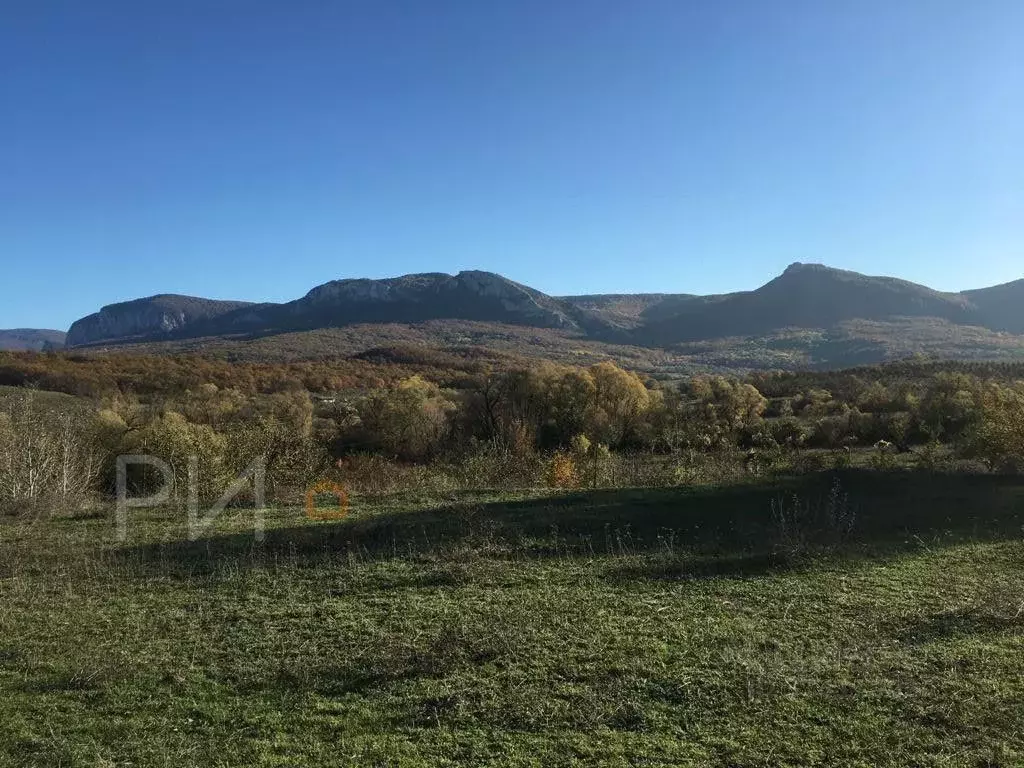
(31, 339)
(804, 297)
(138, 318)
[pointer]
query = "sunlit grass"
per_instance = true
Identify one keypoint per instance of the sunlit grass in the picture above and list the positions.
(620, 627)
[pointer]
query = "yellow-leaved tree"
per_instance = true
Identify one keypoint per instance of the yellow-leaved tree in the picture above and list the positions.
(620, 402)
(410, 420)
(998, 436)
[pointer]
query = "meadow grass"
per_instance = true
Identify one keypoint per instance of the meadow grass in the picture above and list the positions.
(860, 619)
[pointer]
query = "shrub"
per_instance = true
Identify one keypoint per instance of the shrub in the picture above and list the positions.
(788, 432)
(932, 457)
(373, 474)
(592, 460)
(949, 408)
(561, 471)
(998, 437)
(841, 458)
(492, 465)
(47, 455)
(831, 432)
(807, 462)
(177, 441)
(883, 455)
(292, 460)
(799, 523)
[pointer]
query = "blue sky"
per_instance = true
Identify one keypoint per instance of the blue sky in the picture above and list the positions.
(250, 149)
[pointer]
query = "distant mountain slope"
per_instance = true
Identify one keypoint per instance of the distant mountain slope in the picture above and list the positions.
(806, 296)
(162, 314)
(809, 315)
(470, 295)
(1000, 308)
(31, 339)
(621, 310)
(632, 310)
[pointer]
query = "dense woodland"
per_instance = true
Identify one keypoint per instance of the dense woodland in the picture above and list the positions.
(397, 417)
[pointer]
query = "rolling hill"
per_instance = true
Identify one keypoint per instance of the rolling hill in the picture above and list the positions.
(1001, 307)
(31, 339)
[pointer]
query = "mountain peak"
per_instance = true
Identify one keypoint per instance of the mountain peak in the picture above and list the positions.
(799, 267)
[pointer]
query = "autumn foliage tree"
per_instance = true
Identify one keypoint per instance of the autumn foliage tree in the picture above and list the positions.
(998, 435)
(716, 408)
(410, 420)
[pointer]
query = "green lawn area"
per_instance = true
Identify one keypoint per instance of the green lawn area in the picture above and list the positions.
(869, 620)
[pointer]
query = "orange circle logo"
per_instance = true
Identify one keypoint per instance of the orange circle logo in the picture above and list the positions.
(325, 488)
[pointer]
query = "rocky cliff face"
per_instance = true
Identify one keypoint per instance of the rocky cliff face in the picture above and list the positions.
(533, 307)
(805, 296)
(153, 316)
(468, 295)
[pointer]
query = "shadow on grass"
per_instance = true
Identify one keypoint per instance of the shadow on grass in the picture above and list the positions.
(952, 625)
(743, 529)
(706, 566)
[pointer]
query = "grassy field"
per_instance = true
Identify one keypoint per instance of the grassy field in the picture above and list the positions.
(860, 619)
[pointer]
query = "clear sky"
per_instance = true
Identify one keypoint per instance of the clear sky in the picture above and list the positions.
(253, 149)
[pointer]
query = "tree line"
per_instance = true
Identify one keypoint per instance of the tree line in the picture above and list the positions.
(556, 424)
